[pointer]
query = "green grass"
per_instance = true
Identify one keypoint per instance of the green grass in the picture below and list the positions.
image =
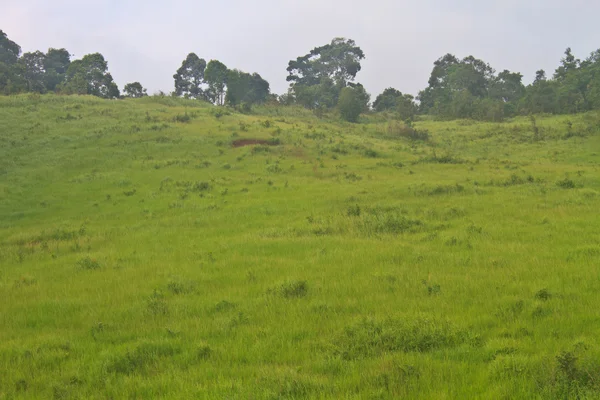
(143, 256)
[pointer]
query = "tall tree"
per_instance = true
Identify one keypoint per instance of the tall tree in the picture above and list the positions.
(190, 77)
(90, 76)
(387, 100)
(507, 86)
(568, 64)
(331, 66)
(11, 80)
(215, 76)
(246, 88)
(56, 64)
(458, 88)
(9, 50)
(135, 90)
(33, 71)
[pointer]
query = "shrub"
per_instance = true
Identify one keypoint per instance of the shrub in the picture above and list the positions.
(398, 129)
(373, 338)
(88, 263)
(291, 289)
(566, 184)
(351, 104)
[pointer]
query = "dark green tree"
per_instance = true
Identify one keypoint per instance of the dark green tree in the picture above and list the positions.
(317, 78)
(11, 73)
(353, 100)
(568, 64)
(33, 71)
(90, 76)
(215, 76)
(135, 90)
(468, 88)
(190, 77)
(388, 100)
(56, 64)
(9, 50)
(244, 88)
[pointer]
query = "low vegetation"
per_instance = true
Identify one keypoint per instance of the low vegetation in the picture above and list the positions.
(162, 247)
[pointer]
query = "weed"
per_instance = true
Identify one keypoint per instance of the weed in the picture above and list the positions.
(176, 286)
(142, 358)
(566, 184)
(204, 352)
(371, 338)
(224, 306)
(353, 211)
(352, 177)
(402, 130)
(543, 295)
(371, 153)
(88, 263)
(157, 305)
(291, 289)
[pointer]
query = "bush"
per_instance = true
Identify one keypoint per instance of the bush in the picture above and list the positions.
(351, 104)
(407, 131)
(291, 289)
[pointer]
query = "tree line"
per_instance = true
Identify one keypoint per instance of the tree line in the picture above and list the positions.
(324, 79)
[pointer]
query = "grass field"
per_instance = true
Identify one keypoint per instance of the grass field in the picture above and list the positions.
(143, 255)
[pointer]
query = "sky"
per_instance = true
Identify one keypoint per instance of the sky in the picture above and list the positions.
(146, 40)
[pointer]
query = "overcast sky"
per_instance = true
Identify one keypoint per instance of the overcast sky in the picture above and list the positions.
(146, 40)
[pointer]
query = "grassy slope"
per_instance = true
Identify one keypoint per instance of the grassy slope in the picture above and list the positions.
(123, 275)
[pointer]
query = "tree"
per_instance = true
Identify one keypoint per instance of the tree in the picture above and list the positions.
(568, 64)
(135, 90)
(11, 72)
(9, 50)
(403, 105)
(244, 88)
(190, 77)
(34, 71)
(215, 76)
(352, 102)
(462, 88)
(56, 64)
(387, 100)
(317, 78)
(540, 96)
(90, 76)
(540, 75)
(438, 81)
(406, 108)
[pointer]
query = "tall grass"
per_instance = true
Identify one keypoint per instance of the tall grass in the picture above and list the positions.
(142, 256)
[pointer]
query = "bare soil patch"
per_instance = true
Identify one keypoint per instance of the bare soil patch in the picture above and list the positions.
(250, 142)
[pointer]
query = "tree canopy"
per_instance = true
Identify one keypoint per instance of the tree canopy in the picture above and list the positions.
(456, 88)
(215, 75)
(90, 76)
(135, 90)
(317, 78)
(189, 78)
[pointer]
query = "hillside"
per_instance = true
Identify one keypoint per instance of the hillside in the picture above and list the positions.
(164, 248)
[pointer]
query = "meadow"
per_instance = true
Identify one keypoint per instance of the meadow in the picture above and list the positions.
(166, 248)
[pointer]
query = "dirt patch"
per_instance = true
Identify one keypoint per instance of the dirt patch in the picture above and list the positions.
(250, 142)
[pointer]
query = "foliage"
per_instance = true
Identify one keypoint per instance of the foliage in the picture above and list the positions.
(244, 88)
(90, 76)
(317, 78)
(216, 77)
(352, 102)
(189, 78)
(402, 105)
(348, 261)
(135, 89)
